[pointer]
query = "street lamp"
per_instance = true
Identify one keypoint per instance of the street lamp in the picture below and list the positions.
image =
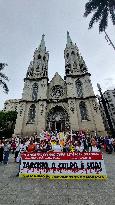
(105, 109)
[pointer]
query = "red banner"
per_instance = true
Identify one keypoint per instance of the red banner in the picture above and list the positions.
(62, 156)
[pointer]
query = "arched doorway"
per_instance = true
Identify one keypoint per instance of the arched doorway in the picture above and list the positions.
(58, 119)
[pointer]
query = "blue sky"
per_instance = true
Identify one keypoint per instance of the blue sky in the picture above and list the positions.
(22, 24)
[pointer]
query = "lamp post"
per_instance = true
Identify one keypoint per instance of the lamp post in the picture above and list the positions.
(106, 110)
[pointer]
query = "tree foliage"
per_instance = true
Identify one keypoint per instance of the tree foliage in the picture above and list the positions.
(7, 123)
(102, 9)
(3, 78)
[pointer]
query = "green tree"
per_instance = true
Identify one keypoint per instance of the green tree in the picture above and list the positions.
(7, 123)
(102, 10)
(3, 78)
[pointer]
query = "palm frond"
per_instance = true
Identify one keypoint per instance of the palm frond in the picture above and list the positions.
(104, 20)
(96, 17)
(2, 65)
(2, 75)
(105, 7)
(90, 6)
(5, 87)
(112, 14)
(111, 4)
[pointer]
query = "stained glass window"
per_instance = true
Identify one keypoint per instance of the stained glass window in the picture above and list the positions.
(34, 91)
(83, 110)
(39, 56)
(31, 114)
(79, 88)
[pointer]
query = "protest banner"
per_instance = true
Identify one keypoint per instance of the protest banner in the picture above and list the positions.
(60, 165)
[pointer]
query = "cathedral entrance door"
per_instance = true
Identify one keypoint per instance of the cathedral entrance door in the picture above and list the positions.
(58, 126)
(52, 126)
(57, 119)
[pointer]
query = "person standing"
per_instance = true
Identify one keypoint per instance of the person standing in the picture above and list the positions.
(7, 147)
(23, 146)
(13, 146)
(57, 147)
(79, 147)
(17, 150)
(114, 145)
(31, 147)
(1, 151)
(110, 148)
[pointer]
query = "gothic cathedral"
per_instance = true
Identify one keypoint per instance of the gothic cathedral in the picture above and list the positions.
(58, 104)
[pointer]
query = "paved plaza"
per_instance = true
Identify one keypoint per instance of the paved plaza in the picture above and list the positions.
(19, 191)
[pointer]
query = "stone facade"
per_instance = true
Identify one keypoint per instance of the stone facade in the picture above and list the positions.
(58, 104)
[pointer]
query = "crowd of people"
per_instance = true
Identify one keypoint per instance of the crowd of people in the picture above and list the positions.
(54, 141)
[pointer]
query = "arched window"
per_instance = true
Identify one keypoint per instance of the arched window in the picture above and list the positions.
(79, 88)
(39, 56)
(67, 55)
(31, 114)
(83, 110)
(37, 68)
(44, 58)
(34, 91)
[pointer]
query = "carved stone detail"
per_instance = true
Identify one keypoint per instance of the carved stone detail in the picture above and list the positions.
(72, 106)
(57, 91)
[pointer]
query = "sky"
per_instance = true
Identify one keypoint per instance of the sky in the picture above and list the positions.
(22, 23)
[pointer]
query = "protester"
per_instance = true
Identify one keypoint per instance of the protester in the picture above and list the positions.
(114, 145)
(17, 150)
(1, 151)
(79, 147)
(7, 147)
(13, 146)
(94, 148)
(48, 147)
(23, 146)
(110, 147)
(31, 147)
(57, 147)
(66, 146)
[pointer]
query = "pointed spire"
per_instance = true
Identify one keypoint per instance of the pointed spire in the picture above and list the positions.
(69, 41)
(42, 44)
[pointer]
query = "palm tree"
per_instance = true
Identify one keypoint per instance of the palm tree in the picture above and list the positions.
(3, 77)
(102, 10)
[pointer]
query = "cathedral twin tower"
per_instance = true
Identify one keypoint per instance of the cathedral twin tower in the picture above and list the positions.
(58, 104)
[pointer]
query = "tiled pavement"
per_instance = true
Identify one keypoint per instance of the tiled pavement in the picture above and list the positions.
(18, 191)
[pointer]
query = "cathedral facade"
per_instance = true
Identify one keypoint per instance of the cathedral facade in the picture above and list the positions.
(61, 104)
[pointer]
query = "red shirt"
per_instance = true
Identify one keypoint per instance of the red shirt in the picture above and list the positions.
(31, 148)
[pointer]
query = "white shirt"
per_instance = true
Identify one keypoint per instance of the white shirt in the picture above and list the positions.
(110, 141)
(94, 149)
(23, 148)
(57, 148)
(79, 149)
(27, 143)
(18, 148)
